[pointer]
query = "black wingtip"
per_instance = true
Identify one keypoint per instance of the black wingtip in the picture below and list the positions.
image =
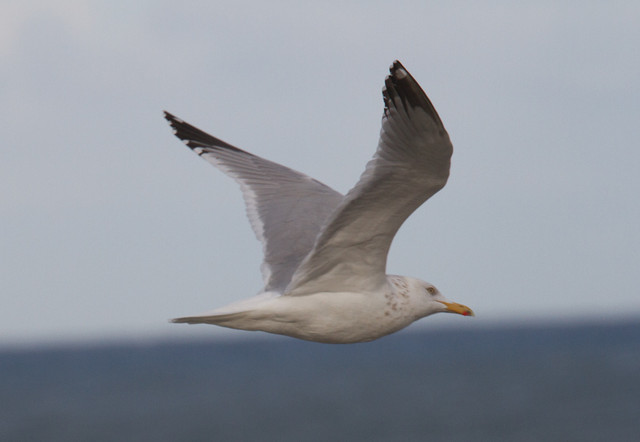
(170, 117)
(181, 129)
(400, 83)
(395, 66)
(192, 136)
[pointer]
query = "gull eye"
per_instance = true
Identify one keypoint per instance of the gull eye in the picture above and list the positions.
(431, 290)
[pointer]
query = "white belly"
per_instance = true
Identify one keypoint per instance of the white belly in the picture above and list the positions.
(327, 317)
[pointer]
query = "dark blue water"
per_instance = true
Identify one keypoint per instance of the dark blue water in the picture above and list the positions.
(546, 383)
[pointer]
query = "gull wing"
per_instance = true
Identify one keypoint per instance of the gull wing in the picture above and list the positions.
(286, 208)
(410, 165)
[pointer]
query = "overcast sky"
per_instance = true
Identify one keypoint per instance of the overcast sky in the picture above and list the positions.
(110, 226)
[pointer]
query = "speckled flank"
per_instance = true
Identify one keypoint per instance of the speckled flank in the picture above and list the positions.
(398, 298)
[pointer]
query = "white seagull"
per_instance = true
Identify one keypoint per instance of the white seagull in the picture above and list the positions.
(325, 253)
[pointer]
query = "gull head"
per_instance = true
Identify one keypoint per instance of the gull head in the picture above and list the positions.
(427, 300)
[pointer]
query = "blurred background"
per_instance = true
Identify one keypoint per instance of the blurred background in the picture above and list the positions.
(110, 226)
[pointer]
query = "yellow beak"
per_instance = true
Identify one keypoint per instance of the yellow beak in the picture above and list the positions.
(454, 307)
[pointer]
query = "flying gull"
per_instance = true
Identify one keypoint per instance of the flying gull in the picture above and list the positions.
(325, 253)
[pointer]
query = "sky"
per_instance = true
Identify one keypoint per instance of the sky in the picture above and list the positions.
(109, 226)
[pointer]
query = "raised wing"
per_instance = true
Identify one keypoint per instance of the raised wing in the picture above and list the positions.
(410, 165)
(286, 209)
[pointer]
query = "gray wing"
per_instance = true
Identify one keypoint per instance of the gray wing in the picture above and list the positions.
(286, 209)
(410, 165)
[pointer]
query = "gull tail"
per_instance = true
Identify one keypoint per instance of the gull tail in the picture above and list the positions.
(240, 314)
(214, 319)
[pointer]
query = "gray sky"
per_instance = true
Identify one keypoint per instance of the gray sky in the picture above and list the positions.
(110, 226)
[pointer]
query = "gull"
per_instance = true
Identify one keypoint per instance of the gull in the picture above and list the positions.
(325, 254)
